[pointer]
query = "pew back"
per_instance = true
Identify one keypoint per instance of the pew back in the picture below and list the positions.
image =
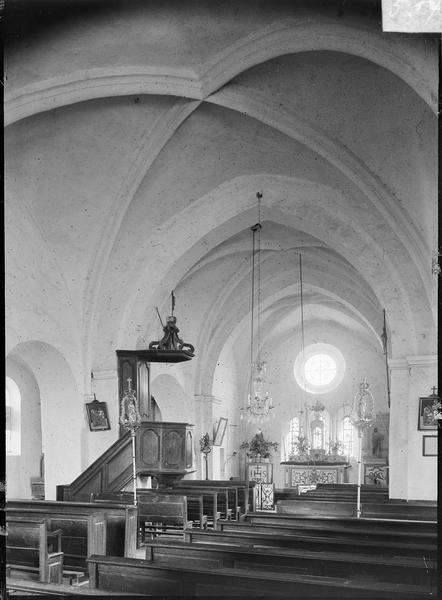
(390, 510)
(81, 534)
(195, 510)
(134, 576)
(163, 512)
(28, 545)
(298, 540)
(121, 520)
(381, 568)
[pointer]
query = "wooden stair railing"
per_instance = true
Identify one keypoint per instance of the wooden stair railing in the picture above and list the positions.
(163, 450)
(110, 472)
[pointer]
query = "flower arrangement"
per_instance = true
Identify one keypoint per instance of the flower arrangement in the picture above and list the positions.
(335, 447)
(205, 444)
(258, 447)
(301, 447)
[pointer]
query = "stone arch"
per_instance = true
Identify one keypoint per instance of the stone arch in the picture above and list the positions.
(171, 398)
(286, 37)
(61, 419)
(227, 210)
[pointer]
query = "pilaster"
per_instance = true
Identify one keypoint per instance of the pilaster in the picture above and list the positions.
(412, 476)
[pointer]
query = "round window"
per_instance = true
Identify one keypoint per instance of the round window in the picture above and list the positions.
(319, 369)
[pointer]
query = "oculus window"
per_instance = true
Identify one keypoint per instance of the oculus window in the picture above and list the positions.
(320, 369)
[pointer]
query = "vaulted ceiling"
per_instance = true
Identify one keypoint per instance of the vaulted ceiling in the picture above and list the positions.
(138, 134)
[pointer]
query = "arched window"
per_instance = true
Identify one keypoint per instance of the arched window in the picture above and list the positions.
(13, 408)
(347, 436)
(292, 437)
(317, 437)
(317, 434)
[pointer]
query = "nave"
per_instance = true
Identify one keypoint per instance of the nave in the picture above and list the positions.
(221, 290)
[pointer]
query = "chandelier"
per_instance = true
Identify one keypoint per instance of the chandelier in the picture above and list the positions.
(259, 403)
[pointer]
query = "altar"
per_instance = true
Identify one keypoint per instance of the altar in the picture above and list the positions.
(310, 472)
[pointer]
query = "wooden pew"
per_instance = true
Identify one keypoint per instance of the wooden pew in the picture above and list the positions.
(162, 514)
(195, 512)
(344, 532)
(30, 546)
(209, 579)
(332, 522)
(400, 569)
(244, 491)
(114, 497)
(226, 497)
(81, 534)
(24, 588)
(334, 543)
(210, 503)
(121, 520)
(195, 507)
(390, 510)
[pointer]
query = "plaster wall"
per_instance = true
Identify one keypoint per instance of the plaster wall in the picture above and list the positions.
(225, 388)
(105, 388)
(62, 426)
(20, 469)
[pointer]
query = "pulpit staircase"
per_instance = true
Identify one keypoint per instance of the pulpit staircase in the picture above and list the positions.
(163, 450)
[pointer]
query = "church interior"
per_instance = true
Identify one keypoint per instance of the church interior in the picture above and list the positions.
(221, 271)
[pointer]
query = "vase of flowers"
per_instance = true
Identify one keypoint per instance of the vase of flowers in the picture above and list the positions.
(206, 447)
(259, 448)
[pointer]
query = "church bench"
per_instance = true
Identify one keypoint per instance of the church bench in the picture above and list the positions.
(344, 532)
(388, 510)
(244, 491)
(114, 497)
(31, 547)
(162, 514)
(195, 512)
(331, 522)
(214, 505)
(24, 588)
(403, 569)
(227, 501)
(299, 540)
(121, 520)
(81, 534)
(139, 576)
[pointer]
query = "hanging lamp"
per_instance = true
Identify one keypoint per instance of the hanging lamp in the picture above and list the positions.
(259, 403)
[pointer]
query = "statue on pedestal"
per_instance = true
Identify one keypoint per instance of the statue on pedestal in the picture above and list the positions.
(376, 438)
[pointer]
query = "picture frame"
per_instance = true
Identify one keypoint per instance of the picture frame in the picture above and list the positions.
(426, 420)
(98, 416)
(429, 445)
(220, 431)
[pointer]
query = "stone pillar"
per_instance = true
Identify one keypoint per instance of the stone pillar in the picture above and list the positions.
(412, 476)
(422, 470)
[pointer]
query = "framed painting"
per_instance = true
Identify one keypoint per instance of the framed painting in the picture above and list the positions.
(219, 432)
(429, 445)
(426, 415)
(98, 416)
